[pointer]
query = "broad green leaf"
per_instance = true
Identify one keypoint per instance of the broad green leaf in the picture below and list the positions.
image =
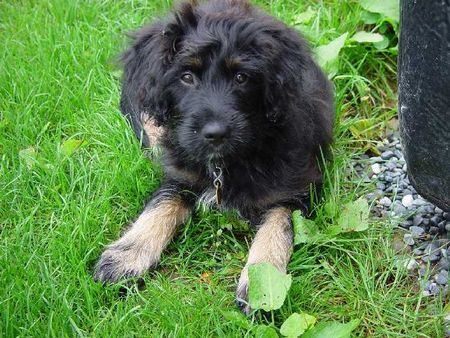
(354, 216)
(330, 209)
(305, 230)
(268, 287)
(68, 147)
(389, 8)
(297, 324)
(237, 318)
(28, 155)
(305, 16)
(362, 36)
(382, 44)
(327, 55)
(264, 331)
(370, 18)
(332, 330)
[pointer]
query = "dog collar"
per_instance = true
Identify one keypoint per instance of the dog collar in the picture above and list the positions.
(218, 183)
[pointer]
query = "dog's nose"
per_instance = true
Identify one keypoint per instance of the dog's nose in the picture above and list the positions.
(215, 132)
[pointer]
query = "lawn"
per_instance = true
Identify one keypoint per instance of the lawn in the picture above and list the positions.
(72, 175)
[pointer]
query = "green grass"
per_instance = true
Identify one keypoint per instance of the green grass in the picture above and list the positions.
(58, 81)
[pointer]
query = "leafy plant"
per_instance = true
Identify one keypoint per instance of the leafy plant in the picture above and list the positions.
(268, 289)
(353, 218)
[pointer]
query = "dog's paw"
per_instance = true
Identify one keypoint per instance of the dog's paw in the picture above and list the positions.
(117, 263)
(242, 293)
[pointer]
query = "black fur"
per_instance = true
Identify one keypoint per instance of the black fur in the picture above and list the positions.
(277, 121)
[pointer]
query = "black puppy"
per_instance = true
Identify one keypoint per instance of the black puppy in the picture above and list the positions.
(241, 111)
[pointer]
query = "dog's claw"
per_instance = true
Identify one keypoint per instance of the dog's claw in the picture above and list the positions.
(242, 293)
(116, 264)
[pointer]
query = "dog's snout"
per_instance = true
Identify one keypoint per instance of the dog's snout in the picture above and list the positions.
(215, 132)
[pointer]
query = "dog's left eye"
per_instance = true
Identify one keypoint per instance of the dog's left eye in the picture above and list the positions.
(240, 78)
(187, 78)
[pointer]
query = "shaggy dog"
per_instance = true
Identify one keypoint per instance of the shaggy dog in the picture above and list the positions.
(241, 111)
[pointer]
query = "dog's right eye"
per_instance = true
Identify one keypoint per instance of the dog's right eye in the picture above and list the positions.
(187, 78)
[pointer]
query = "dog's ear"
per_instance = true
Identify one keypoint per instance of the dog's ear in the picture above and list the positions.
(290, 57)
(146, 62)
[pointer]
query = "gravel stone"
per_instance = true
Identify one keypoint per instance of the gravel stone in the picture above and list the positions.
(446, 215)
(408, 239)
(416, 231)
(434, 289)
(417, 220)
(376, 168)
(447, 226)
(412, 265)
(399, 209)
(442, 277)
(387, 155)
(386, 202)
(407, 201)
(430, 258)
(435, 220)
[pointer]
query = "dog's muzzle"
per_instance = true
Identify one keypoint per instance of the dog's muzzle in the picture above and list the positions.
(215, 133)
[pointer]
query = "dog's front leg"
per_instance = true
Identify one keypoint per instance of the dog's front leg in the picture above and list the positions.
(140, 247)
(273, 244)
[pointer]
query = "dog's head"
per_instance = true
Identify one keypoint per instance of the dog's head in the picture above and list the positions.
(220, 76)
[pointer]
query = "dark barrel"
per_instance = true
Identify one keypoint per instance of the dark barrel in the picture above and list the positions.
(424, 96)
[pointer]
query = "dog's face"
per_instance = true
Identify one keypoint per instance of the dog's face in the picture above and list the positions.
(216, 85)
(219, 77)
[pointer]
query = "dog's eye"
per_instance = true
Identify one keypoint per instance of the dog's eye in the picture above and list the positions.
(240, 78)
(187, 78)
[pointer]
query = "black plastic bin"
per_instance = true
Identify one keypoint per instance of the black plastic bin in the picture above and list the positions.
(424, 96)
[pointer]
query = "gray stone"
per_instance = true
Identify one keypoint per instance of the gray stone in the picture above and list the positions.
(407, 201)
(447, 226)
(442, 277)
(423, 270)
(381, 186)
(418, 252)
(443, 264)
(434, 289)
(419, 202)
(376, 168)
(387, 155)
(386, 202)
(433, 230)
(432, 248)
(417, 220)
(408, 239)
(446, 215)
(430, 258)
(416, 231)
(399, 209)
(412, 264)
(376, 159)
(435, 220)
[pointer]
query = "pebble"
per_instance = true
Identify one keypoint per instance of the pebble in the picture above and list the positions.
(417, 220)
(412, 264)
(387, 155)
(407, 201)
(442, 277)
(399, 209)
(416, 231)
(408, 239)
(376, 168)
(385, 201)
